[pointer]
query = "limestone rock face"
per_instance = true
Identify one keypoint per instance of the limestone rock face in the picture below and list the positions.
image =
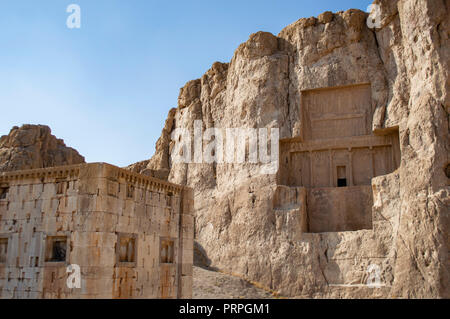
(33, 146)
(242, 225)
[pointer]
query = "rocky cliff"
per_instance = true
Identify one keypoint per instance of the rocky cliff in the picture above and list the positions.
(33, 146)
(405, 59)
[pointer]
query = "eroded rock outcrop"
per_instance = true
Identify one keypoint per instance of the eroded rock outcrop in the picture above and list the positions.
(33, 146)
(405, 62)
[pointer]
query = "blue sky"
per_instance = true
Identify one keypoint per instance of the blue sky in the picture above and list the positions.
(106, 88)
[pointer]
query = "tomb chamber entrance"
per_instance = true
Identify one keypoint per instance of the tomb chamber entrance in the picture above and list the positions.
(336, 157)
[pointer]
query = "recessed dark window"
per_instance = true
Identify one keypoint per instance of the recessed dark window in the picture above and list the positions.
(3, 192)
(130, 191)
(3, 250)
(56, 249)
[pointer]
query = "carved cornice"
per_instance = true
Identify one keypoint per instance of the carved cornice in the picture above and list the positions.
(73, 172)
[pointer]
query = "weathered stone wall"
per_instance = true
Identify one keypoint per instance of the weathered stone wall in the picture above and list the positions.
(114, 223)
(339, 209)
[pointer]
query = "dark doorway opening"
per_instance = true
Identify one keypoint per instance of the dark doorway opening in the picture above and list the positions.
(342, 182)
(341, 176)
